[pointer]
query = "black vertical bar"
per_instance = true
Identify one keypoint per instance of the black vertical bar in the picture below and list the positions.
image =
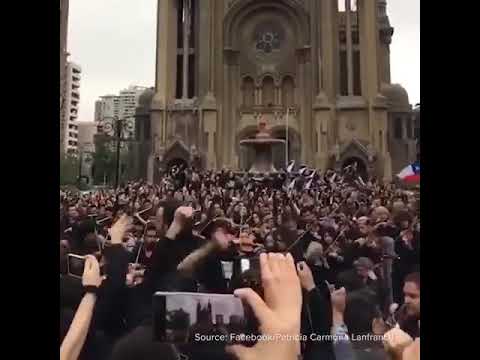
(117, 168)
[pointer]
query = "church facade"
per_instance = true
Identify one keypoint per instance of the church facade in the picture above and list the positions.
(317, 72)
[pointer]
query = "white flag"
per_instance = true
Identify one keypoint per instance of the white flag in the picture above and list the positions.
(332, 179)
(290, 166)
(292, 184)
(309, 184)
(302, 169)
(312, 174)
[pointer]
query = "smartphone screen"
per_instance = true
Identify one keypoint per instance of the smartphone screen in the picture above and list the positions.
(201, 318)
(76, 264)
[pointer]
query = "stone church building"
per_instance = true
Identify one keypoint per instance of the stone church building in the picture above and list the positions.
(320, 67)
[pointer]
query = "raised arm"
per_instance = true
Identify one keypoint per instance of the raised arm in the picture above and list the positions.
(220, 241)
(188, 265)
(74, 340)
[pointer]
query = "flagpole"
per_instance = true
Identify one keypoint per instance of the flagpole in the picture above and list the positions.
(286, 140)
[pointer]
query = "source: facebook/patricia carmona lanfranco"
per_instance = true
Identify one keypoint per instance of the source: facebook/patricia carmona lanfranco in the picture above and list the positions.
(284, 337)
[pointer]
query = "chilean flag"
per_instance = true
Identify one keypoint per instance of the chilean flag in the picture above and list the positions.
(411, 173)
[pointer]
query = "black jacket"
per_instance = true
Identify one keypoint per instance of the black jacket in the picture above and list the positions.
(318, 308)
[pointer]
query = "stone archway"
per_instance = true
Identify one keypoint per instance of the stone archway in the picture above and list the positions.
(360, 151)
(241, 9)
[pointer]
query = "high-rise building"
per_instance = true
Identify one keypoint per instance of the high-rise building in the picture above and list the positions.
(121, 106)
(86, 134)
(129, 101)
(71, 107)
(322, 66)
(64, 8)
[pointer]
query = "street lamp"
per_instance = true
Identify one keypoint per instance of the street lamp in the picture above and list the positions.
(118, 127)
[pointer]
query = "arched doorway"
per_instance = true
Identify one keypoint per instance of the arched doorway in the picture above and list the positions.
(361, 166)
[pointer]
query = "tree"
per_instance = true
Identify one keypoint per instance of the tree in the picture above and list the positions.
(69, 168)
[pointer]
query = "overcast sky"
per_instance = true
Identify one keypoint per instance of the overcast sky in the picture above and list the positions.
(114, 43)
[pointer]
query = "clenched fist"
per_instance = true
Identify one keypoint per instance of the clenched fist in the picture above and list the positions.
(395, 341)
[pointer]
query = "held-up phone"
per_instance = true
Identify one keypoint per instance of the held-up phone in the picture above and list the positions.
(76, 265)
(300, 245)
(246, 273)
(196, 318)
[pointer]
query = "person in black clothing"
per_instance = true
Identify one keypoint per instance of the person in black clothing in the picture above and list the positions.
(362, 277)
(408, 315)
(318, 309)
(143, 252)
(365, 325)
(108, 313)
(407, 247)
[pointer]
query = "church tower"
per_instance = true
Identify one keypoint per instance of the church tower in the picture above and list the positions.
(316, 71)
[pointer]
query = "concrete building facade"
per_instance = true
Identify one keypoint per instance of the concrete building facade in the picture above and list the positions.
(222, 66)
(70, 108)
(64, 8)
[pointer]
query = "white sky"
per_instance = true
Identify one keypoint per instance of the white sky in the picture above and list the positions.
(114, 43)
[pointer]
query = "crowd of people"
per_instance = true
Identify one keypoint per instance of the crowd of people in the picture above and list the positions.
(339, 257)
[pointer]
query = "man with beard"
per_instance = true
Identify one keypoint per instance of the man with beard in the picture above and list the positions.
(410, 316)
(143, 253)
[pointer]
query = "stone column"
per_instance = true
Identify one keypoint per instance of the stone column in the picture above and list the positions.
(367, 10)
(377, 104)
(166, 63)
(348, 34)
(210, 127)
(165, 77)
(322, 118)
(328, 48)
(186, 46)
(327, 75)
(206, 48)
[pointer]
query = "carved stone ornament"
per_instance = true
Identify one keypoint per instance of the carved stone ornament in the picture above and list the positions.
(351, 125)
